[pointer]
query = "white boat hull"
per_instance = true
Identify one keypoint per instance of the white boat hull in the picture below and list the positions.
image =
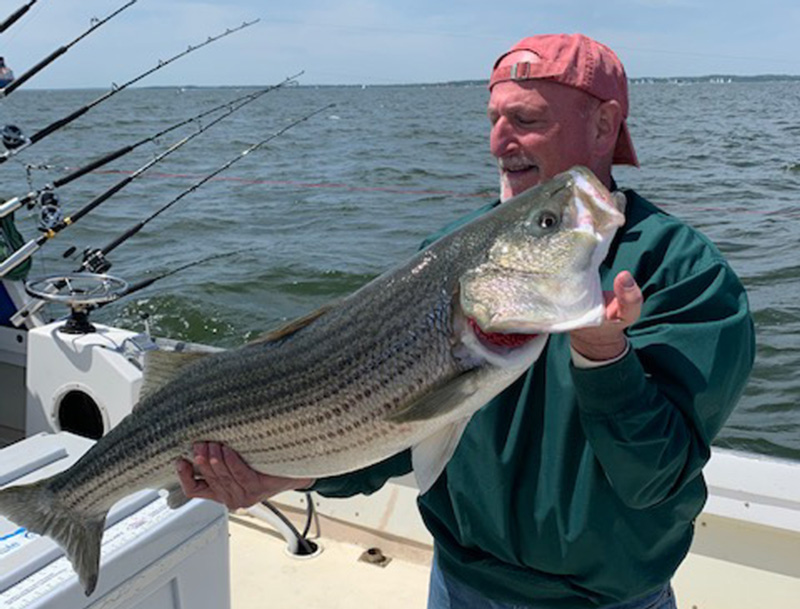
(746, 552)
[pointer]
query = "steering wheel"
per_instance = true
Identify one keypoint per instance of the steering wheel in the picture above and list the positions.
(81, 292)
(77, 290)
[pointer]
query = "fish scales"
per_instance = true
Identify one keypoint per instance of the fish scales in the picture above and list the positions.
(395, 365)
(229, 408)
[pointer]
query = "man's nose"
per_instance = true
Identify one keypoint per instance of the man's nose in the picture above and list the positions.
(501, 137)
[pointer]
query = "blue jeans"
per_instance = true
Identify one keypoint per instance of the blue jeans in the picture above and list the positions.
(447, 593)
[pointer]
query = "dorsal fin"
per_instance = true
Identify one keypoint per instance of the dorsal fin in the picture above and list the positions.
(160, 367)
(293, 326)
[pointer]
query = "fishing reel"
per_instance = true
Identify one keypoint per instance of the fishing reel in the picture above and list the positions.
(51, 214)
(13, 137)
(81, 292)
(95, 261)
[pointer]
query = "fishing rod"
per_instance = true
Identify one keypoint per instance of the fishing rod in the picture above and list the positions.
(144, 283)
(32, 246)
(29, 200)
(82, 299)
(18, 82)
(95, 259)
(17, 142)
(16, 15)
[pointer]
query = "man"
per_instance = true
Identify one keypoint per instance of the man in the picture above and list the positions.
(577, 487)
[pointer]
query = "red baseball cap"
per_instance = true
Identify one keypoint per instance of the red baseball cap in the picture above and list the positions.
(580, 62)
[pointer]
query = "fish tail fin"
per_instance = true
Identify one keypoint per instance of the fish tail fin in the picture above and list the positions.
(34, 507)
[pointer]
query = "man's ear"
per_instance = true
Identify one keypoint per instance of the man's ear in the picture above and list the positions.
(606, 120)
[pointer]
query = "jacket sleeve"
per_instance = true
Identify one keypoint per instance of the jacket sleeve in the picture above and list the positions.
(650, 418)
(365, 481)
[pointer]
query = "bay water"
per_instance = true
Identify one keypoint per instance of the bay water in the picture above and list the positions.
(344, 196)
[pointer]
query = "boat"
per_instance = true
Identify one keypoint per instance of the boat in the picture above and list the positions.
(369, 551)
(746, 551)
(6, 74)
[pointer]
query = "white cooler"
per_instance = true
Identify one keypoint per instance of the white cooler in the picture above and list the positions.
(152, 557)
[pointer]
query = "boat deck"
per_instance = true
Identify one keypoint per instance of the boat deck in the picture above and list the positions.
(264, 574)
(746, 552)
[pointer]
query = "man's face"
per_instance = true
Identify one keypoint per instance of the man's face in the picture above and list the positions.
(539, 129)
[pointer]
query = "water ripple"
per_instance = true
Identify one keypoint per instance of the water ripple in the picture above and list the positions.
(335, 202)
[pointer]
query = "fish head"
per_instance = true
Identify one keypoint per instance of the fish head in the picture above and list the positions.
(540, 274)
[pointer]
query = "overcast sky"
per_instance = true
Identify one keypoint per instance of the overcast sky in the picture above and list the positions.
(390, 42)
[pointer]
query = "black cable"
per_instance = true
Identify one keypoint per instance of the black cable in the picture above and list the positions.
(301, 540)
(311, 514)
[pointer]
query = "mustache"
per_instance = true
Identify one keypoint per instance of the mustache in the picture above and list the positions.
(515, 162)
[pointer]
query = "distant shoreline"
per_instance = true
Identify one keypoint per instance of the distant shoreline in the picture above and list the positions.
(710, 78)
(680, 80)
(717, 78)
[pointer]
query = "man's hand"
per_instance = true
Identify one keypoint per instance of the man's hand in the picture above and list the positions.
(623, 308)
(221, 475)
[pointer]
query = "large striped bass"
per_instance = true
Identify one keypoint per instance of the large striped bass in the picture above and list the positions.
(401, 363)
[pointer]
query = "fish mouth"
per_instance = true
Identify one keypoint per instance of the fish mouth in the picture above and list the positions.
(499, 341)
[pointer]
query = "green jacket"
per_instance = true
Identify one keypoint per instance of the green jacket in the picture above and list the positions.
(579, 487)
(10, 241)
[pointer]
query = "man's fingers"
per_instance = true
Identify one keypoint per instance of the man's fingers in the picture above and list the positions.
(624, 304)
(207, 461)
(191, 486)
(229, 488)
(217, 463)
(204, 454)
(239, 470)
(220, 474)
(186, 476)
(628, 297)
(199, 490)
(200, 451)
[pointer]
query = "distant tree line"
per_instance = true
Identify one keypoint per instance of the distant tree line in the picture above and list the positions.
(720, 78)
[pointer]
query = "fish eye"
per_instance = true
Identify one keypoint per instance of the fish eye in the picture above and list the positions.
(547, 220)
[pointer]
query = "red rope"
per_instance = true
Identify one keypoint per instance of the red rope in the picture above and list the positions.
(307, 184)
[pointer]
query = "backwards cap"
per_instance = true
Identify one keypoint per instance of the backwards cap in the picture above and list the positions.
(580, 62)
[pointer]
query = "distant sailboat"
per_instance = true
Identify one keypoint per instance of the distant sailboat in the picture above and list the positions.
(6, 75)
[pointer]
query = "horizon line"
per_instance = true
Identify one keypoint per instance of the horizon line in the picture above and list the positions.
(467, 81)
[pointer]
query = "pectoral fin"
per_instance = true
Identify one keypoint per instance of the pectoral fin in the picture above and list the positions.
(430, 457)
(439, 401)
